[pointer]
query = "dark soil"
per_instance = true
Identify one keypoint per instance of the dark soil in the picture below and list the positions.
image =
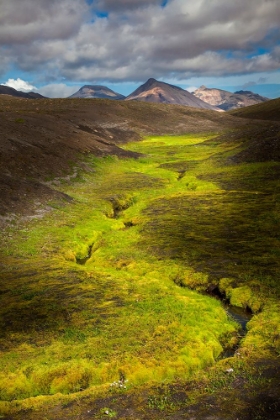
(235, 398)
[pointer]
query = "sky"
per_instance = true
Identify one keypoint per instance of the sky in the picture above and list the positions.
(56, 46)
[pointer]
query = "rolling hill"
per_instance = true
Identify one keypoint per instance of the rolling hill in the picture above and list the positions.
(269, 110)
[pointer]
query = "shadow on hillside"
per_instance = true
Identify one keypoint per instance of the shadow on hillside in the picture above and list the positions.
(223, 235)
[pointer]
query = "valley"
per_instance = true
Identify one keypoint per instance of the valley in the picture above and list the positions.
(107, 283)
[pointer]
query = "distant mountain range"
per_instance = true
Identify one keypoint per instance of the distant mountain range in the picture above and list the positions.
(271, 91)
(6, 90)
(226, 100)
(160, 92)
(97, 91)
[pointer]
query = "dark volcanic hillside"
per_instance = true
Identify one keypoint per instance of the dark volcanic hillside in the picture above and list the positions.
(227, 100)
(96, 91)
(40, 141)
(263, 137)
(269, 110)
(5, 90)
(160, 92)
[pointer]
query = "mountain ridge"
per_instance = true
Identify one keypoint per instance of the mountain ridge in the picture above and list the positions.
(155, 91)
(7, 90)
(227, 100)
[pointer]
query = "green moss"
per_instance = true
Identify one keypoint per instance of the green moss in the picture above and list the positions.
(225, 286)
(150, 233)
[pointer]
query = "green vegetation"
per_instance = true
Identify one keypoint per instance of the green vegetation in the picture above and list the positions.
(19, 120)
(105, 288)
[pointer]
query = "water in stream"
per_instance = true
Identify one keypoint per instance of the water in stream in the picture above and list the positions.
(242, 316)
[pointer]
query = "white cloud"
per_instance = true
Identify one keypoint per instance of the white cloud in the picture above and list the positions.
(140, 39)
(58, 90)
(26, 21)
(52, 90)
(19, 84)
(191, 89)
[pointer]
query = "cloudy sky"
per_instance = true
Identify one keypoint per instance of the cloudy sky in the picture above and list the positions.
(56, 46)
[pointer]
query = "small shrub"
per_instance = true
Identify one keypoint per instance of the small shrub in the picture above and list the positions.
(15, 386)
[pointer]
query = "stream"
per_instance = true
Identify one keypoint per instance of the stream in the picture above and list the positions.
(240, 315)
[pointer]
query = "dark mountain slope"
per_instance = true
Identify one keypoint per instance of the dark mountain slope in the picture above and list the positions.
(6, 90)
(160, 92)
(262, 132)
(97, 91)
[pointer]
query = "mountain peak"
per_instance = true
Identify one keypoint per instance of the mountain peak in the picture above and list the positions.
(151, 80)
(97, 91)
(161, 92)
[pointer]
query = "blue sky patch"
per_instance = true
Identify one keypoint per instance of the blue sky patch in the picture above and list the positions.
(164, 3)
(101, 14)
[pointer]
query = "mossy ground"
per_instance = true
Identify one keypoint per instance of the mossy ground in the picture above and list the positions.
(93, 293)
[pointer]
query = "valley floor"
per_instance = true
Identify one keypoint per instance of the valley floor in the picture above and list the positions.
(106, 306)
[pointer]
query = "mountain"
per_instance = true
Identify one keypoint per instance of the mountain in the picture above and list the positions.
(270, 91)
(96, 91)
(6, 90)
(227, 100)
(160, 92)
(34, 95)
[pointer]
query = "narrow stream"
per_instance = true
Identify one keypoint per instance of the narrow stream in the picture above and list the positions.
(240, 315)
